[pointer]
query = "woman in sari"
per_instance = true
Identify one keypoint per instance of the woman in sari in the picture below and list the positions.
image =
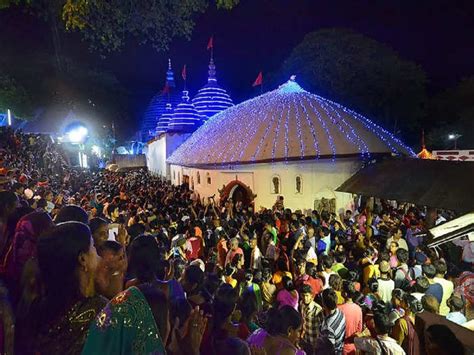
(280, 333)
(136, 322)
(24, 244)
(59, 320)
(404, 330)
(127, 326)
(148, 265)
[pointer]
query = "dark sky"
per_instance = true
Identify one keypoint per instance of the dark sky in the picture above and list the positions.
(259, 35)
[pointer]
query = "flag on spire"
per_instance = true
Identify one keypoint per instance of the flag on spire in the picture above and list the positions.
(183, 73)
(259, 80)
(166, 89)
(210, 44)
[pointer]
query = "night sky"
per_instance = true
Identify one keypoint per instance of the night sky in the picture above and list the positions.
(260, 34)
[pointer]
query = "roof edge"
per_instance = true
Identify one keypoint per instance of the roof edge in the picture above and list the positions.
(293, 159)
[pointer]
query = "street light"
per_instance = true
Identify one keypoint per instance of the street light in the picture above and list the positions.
(96, 150)
(9, 117)
(454, 137)
(77, 134)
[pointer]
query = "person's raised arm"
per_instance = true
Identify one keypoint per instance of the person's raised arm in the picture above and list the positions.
(193, 211)
(214, 209)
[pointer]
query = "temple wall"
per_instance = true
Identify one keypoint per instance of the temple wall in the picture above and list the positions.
(317, 180)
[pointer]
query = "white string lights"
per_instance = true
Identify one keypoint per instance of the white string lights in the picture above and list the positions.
(185, 117)
(211, 99)
(164, 120)
(284, 125)
(158, 106)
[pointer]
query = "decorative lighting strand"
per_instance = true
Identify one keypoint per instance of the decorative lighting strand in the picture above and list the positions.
(287, 133)
(317, 150)
(202, 141)
(211, 100)
(229, 129)
(353, 139)
(260, 119)
(250, 133)
(223, 136)
(185, 117)
(298, 126)
(264, 136)
(323, 124)
(361, 142)
(277, 132)
(372, 126)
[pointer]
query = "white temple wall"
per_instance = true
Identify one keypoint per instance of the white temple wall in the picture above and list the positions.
(156, 156)
(318, 179)
(160, 149)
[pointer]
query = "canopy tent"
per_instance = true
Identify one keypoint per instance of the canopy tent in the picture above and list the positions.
(452, 230)
(432, 183)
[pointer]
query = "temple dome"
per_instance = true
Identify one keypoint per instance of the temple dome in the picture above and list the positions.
(157, 106)
(163, 122)
(286, 124)
(211, 99)
(185, 117)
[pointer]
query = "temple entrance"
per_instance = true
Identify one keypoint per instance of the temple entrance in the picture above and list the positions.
(238, 192)
(186, 180)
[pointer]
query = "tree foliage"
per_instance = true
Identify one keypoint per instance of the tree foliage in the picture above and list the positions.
(452, 111)
(362, 74)
(13, 96)
(107, 25)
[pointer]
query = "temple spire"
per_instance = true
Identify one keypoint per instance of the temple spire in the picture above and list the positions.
(424, 153)
(212, 71)
(212, 67)
(170, 76)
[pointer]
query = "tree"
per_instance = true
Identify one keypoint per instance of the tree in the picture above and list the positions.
(452, 112)
(107, 25)
(14, 97)
(362, 74)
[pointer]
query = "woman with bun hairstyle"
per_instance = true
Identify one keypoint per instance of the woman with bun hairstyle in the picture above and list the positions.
(288, 296)
(281, 332)
(60, 318)
(404, 330)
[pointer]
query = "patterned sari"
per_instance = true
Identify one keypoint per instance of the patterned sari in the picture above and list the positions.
(23, 248)
(125, 326)
(67, 334)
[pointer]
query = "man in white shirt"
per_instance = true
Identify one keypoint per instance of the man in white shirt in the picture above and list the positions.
(311, 239)
(397, 237)
(447, 285)
(383, 344)
(386, 284)
(421, 286)
(256, 255)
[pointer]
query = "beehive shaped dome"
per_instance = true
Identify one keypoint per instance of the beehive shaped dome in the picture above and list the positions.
(211, 99)
(163, 122)
(185, 117)
(286, 124)
(158, 106)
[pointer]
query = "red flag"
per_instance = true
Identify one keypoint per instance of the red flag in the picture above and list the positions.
(259, 80)
(166, 89)
(210, 44)
(183, 73)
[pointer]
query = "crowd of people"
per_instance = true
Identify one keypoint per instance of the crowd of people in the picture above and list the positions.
(125, 263)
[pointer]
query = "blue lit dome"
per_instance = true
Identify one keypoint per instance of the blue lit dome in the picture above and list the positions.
(163, 122)
(211, 99)
(286, 124)
(185, 117)
(157, 106)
